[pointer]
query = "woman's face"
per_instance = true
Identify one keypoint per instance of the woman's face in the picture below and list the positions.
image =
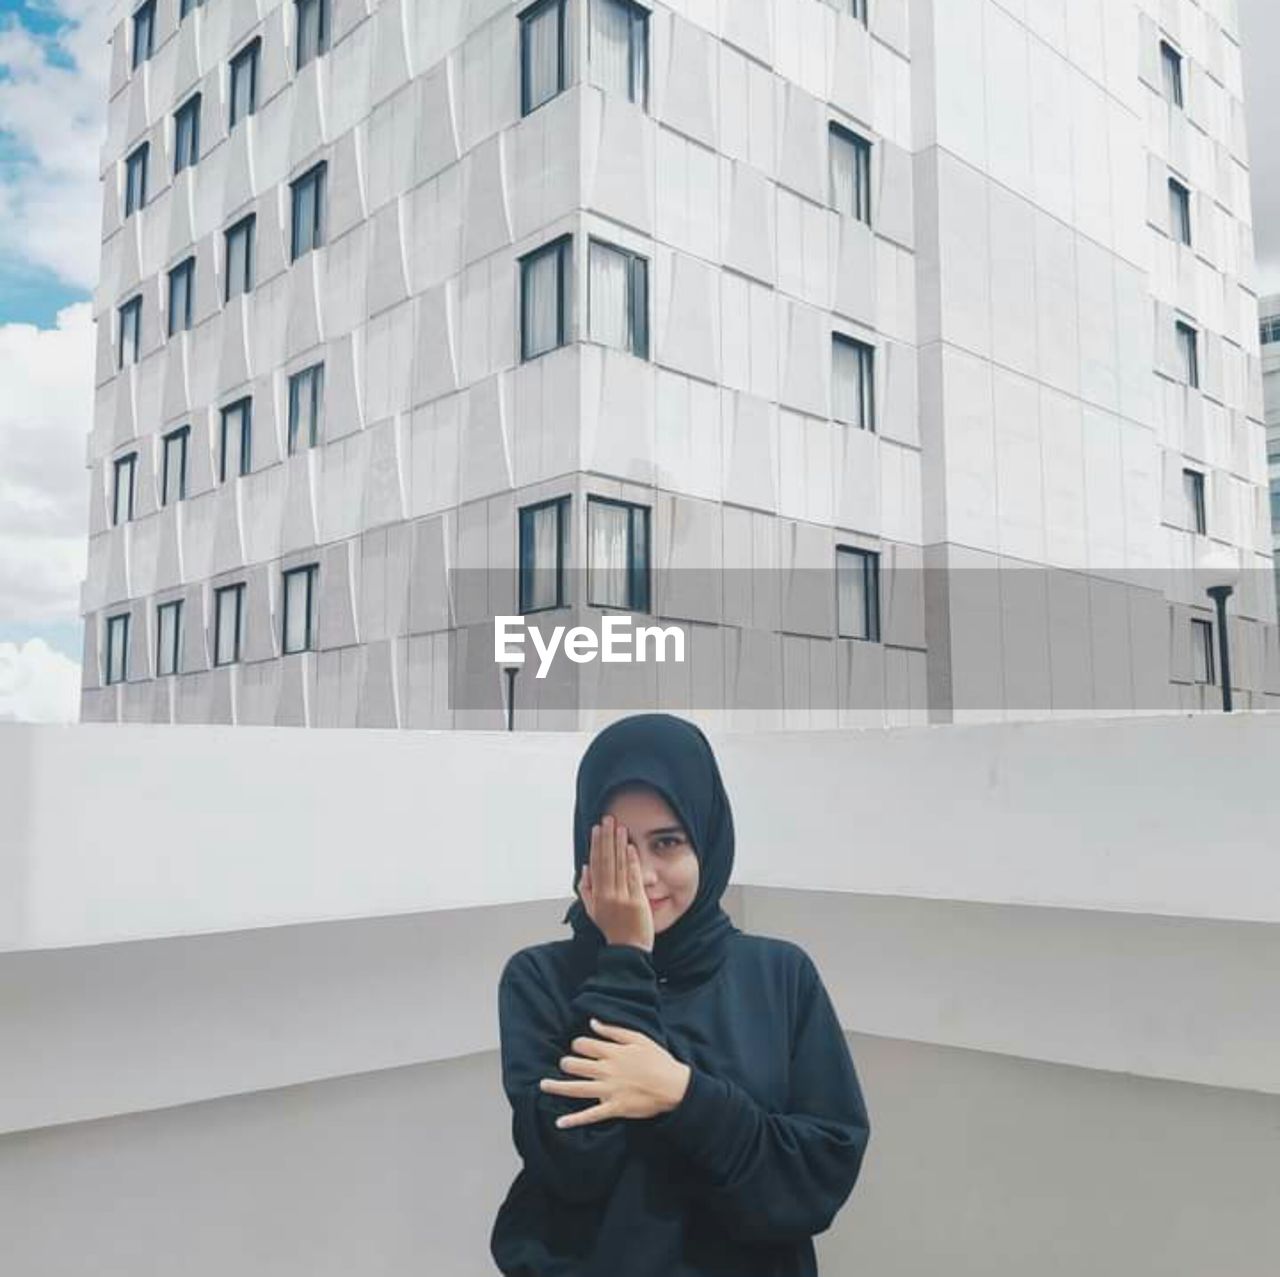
(668, 863)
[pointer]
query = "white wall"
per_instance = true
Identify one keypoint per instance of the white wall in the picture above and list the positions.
(1053, 946)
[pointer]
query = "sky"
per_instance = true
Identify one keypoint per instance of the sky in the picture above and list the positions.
(53, 78)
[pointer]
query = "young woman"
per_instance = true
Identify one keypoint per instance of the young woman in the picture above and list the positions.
(683, 1097)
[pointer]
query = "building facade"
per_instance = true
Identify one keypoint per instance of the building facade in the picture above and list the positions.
(902, 356)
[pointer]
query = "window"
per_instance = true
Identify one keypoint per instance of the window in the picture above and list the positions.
(850, 164)
(130, 332)
(853, 398)
(135, 179)
(544, 542)
(117, 648)
(1179, 212)
(620, 49)
(1202, 664)
(297, 626)
(235, 451)
(186, 134)
(544, 298)
(125, 471)
(186, 6)
(618, 299)
(182, 280)
(1269, 330)
(244, 83)
(1275, 510)
(1188, 355)
(313, 29)
(856, 9)
(173, 474)
(1171, 73)
(542, 54)
(169, 639)
(144, 31)
(240, 257)
(617, 554)
(308, 211)
(306, 398)
(857, 593)
(1193, 492)
(228, 623)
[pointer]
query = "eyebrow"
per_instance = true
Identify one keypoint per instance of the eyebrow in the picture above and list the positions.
(666, 829)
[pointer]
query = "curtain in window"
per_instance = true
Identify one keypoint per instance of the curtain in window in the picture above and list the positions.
(237, 262)
(296, 611)
(610, 300)
(542, 56)
(241, 88)
(851, 595)
(226, 627)
(844, 174)
(117, 648)
(851, 383)
(611, 46)
(1202, 651)
(173, 482)
(541, 318)
(607, 554)
(170, 616)
(541, 557)
(308, 31)
(235, 441)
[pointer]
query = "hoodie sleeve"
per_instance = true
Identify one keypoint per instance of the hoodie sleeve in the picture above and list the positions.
(776, 1177)
(577, 1163)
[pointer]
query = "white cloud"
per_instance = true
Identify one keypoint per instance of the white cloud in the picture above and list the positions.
(37, 684)
(53, 120)
(46, 412)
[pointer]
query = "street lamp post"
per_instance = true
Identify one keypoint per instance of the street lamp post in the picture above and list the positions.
(1220, 594)
(511, 671)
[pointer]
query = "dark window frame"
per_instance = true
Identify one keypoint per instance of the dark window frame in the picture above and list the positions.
(637, 295)
(249, 225)
(138, 160)
(639, 573)
(182, 436)
(1171, 59)
(317, 178)
(638, 28)
(247, 56)
(1191, 337)
(1197, 499)
(862, 147)
(175, 607)
(563, 247)
(188, 111)
(872, 605)
(313, 376)
(147, 7)
(127, 460)
(525, 18)
(1207, 676)
(133, 306)
(866, 354)
(185, 269)
(524, 551)
(1179, 212)
(243, 407)
(322, 31)
(237, 588)
(311, 571)
(127, 618)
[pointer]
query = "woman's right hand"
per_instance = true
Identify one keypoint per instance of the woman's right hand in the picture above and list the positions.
(612, 888)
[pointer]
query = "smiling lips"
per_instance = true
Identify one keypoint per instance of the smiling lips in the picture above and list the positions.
(660, 900)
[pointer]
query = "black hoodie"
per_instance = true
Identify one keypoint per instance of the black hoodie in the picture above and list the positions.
(765, 1146)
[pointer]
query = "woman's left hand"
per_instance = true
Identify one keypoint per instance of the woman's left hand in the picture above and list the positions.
(629, 1073)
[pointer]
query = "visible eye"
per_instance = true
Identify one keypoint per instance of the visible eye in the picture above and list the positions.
(665, 842)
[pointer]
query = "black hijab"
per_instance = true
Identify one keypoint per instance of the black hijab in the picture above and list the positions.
(672, 755)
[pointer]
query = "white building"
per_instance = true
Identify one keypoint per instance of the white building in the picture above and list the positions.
(806, 324)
